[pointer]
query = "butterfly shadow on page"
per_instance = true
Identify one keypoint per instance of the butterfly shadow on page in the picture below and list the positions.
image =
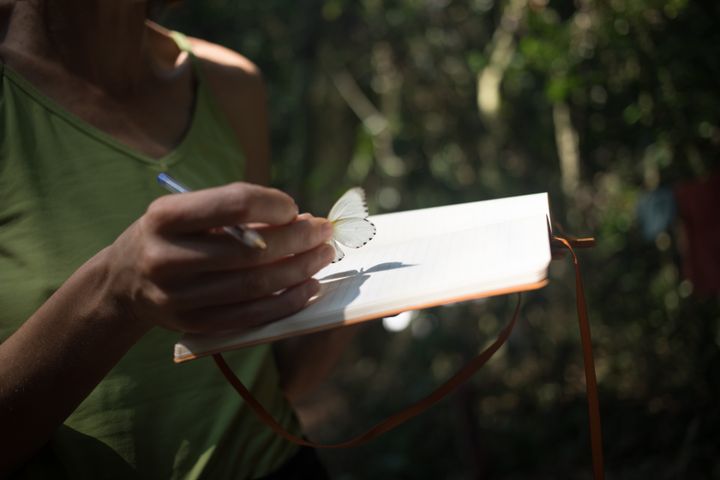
(340, 289)
(380, 267)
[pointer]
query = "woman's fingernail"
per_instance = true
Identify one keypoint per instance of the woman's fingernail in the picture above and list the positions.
(304, 216)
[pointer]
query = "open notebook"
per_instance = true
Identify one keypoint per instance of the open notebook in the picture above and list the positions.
(418, 259)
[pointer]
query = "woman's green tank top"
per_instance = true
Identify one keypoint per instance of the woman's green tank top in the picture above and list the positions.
(67, 190)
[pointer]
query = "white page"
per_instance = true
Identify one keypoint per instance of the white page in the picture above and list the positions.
(418, 258)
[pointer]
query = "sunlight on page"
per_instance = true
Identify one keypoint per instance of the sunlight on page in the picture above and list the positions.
(418, 259)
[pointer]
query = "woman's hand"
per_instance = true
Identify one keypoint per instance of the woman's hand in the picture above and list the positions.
(169, 268)
(175, 268)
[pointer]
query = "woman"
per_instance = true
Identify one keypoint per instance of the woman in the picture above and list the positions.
(96, 271)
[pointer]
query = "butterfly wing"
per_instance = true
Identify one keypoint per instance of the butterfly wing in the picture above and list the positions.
(353, 232)
(350, 224)
(339, 254)
(351, 204)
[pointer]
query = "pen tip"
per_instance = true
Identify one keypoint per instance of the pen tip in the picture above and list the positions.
(256, 240)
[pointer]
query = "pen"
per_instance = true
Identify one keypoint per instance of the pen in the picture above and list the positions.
(247, 236)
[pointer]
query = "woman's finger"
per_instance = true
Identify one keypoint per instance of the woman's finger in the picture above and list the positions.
(242, 316)
(225, 288)
(299, 236)
(233, 204)
(192, 254)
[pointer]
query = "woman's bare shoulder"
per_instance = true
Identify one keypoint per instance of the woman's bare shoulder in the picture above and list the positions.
(238, 84)
(226, 68)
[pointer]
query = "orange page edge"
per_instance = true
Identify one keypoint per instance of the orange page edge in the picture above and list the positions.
(388, 313)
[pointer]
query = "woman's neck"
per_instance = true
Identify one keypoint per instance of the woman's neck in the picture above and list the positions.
(104, 42)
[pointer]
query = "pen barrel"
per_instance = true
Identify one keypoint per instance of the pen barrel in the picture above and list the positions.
(244, 235)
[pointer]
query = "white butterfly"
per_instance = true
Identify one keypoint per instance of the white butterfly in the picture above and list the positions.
(350, 224)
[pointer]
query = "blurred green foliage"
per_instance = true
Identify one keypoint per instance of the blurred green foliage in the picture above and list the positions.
(434, 102)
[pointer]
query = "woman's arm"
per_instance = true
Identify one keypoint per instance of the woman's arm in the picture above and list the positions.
(166, 269)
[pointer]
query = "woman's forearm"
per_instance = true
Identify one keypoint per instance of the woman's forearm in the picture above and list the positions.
(50, 364)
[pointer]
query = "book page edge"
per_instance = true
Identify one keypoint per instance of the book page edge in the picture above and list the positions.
(182, 354)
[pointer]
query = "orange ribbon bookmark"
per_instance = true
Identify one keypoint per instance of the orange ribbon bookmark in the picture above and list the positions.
(459, 378)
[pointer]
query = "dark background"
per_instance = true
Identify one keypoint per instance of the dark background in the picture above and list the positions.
(610, 106)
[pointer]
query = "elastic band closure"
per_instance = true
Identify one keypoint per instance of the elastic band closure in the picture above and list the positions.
(588, 362)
